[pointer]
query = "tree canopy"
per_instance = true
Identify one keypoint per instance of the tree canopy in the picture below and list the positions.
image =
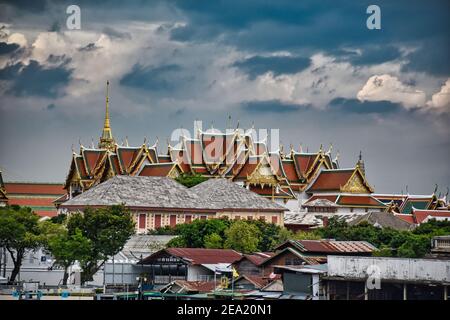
(190, 179)
(19, 232)
(107, 230)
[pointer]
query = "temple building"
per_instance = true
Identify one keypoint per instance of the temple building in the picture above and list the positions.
(311, 185)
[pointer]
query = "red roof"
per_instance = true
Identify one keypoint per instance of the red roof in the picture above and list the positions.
(156, 170)
(331, 180)
(289, 170)
(303, 162)
(406, 217)
(331, 198)
(92, 159)
(205, 256)
(34, 188)
(44, 213)
(359, 201)
(328, 246)
(249, 167)
(197, 286)
(126, 156)
(32, 201)
(421, 215)
(258, 257)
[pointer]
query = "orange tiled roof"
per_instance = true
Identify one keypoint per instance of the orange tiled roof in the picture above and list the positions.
(34, 188)
(359, 200)
(156, 170)
(331, 180)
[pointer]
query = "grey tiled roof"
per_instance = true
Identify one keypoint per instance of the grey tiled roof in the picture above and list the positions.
(164, 192)
(160, 192)
(222, 193)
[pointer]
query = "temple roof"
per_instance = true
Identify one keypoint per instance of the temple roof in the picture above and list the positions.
(163, 192)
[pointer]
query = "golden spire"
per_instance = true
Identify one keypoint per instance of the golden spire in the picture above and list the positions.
(107, 140)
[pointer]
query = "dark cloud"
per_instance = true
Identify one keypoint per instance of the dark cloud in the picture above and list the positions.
(51, 106)
(271, 106)
(6, 48)
(321, 25)
(163, 78)
(356, 106)
(35, 79)
(431, 57)
(258, 65)
(27, 5)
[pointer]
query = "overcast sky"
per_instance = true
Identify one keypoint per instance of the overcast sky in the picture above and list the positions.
(309, 68)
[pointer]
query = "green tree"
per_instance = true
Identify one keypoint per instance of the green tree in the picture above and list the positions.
(193, 234)
(213, 241)
(271, 235)
(19, 232)
(177, 242)
(306, 235)
(107, 229)
(242, 236)
(190, 179)
(68, 248)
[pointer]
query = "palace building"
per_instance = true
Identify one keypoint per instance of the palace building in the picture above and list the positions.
(311, 185)
(160, 201)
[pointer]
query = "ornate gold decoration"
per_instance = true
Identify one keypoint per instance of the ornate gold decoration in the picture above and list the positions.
(355, 185)
(107, 140)
(262, 175)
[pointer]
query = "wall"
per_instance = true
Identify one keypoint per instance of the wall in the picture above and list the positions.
(199, 273)
(390, 268)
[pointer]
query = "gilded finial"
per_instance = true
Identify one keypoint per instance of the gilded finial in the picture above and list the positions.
(145, 140)
(360, 155)
(435, 188)
(92, 143)
(300, 148)
(126, 141)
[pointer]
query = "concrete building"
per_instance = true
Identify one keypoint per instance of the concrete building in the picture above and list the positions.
(381, 278)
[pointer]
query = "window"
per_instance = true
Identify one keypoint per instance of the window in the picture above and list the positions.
(157, 221)
(188, 219)
(203, 217)
(173, 220)
(274, 219)
(237, 217)
(142, 221)
(262, 218)
(249, 218)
